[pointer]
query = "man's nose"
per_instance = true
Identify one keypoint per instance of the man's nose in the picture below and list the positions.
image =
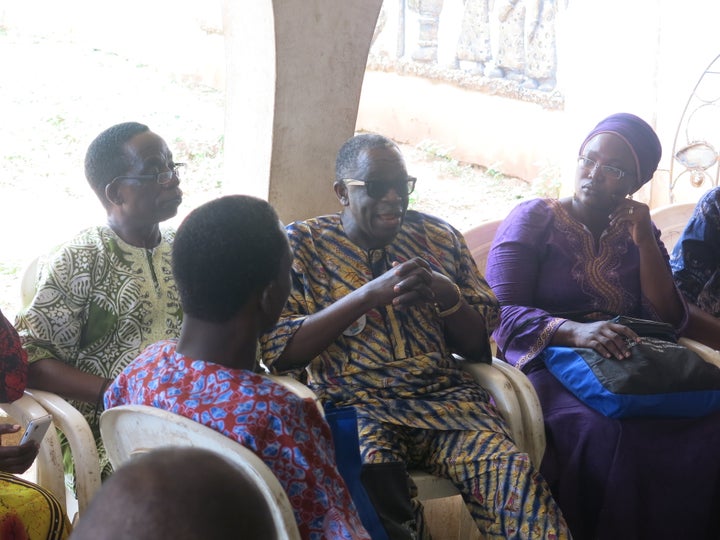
(392, 194)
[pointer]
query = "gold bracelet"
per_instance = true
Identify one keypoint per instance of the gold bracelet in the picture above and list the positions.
(450, 311)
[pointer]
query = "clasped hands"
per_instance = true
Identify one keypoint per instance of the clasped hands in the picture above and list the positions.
(411, 283)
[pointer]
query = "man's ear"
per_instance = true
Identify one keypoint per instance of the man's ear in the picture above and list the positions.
(267, 297)
(112, 194)
(341, 193)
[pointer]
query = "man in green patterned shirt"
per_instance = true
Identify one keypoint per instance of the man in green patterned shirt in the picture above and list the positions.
(108, 292)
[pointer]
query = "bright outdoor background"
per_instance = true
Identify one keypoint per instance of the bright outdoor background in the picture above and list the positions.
(59, 92)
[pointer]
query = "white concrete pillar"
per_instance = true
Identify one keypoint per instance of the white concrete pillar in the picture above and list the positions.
(294, 75)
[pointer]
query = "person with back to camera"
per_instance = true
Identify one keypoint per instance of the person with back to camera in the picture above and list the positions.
(179, 494)
(27, 511)
(231, 262)
(695, 262)
(107, 293)
(598, 251)
(381, 298)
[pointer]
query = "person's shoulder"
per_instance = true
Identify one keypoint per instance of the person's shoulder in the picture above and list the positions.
(316, 223)
(91, 239)
(91, 236)
(713, 194)
(154, 353)
(415, 219)
(283, 393)
(709, 202)
(311, 230)
(530, 219)
(534, 206)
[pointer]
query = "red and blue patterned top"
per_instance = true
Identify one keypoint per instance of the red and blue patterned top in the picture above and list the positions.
(287, 432)
(13, 363)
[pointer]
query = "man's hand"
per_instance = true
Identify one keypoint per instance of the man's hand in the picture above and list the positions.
(16, 459)
(410, 282)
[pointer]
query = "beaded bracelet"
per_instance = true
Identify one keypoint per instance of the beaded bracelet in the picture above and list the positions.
(450, 311)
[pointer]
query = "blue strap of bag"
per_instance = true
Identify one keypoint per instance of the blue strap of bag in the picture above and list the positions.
(343, 424)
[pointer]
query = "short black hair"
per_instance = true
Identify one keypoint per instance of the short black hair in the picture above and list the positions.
(347, 158)
(106, 159)
(224, 251)
(181, 493)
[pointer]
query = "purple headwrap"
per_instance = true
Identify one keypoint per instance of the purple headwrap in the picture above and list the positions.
(641, 138)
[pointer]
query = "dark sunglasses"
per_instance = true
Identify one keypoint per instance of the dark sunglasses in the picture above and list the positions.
(378, 189)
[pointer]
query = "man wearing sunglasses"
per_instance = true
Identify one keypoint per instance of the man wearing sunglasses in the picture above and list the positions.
(382, 296)
(109, 292)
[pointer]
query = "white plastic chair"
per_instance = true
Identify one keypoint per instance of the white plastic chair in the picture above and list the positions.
(130, 430)
(50, 472)
(28, 282)
(515, 399)
(671, 221)
(479, 240)
(705, 352)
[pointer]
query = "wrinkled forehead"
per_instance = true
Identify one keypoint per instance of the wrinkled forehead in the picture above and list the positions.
(381, 163)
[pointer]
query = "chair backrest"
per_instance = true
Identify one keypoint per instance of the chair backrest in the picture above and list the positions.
(298, 389)
(49, 469)
(479, 240)
(28, 282)
(48, 472)
(81, 440)
(671, 221)
(130, 430)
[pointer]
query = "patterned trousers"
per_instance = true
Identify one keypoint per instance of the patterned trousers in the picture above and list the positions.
(503, 491)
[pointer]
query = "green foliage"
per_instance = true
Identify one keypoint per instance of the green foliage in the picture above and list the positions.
(8, 270)
(548, 182)
(446, 163)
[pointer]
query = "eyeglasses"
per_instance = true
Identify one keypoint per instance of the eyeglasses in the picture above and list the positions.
(612, 173)
(378, 189)
(162, 178)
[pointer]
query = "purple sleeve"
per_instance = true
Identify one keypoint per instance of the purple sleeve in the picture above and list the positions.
(513, 271)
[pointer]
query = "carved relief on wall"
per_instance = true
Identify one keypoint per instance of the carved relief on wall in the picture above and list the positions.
(507, 46)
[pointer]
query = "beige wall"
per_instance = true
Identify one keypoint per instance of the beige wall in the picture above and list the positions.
(643, 57)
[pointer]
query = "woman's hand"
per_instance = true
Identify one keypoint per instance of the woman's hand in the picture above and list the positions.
(16, 459)
(636, 217)
(610, 339)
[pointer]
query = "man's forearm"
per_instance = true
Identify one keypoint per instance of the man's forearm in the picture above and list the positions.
(467, 332)
(58, 377)
(319, 330)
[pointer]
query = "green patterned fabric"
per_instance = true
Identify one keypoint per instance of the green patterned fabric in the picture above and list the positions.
(100, 302)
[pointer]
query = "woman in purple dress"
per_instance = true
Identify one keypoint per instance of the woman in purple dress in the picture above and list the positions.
(598, 253)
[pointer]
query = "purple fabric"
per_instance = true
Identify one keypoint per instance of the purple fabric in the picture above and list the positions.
(640, 136)
(613, 479)
(544, 262)
(654, 479)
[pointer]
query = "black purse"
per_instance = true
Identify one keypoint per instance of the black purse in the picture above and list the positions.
(648, 328)
(660, 378)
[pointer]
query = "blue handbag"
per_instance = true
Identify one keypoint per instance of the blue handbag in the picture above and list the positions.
(661, 378)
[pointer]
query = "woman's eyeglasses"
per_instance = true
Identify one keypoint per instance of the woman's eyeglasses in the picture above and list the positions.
(612, 173)
(162, 178)
(378, 189)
